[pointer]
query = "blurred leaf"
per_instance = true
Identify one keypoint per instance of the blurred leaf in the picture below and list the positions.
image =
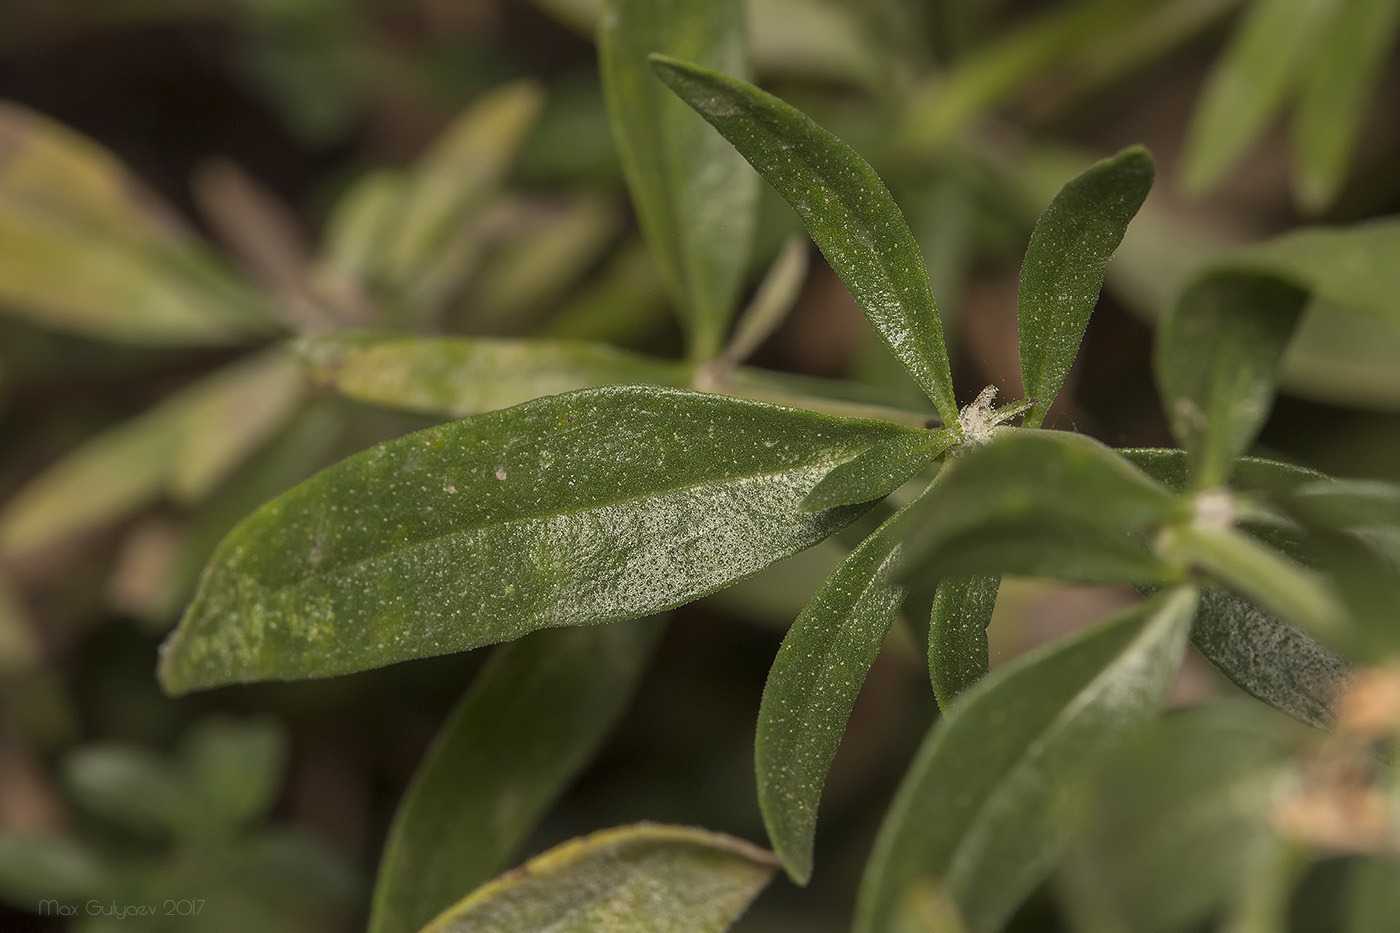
(1269, 659)
(1270, 49)
(532, 719)
(1346, 266)
(812, 688)
(129, 787)
(633, 879)
(360, 224)
(1064, 267)
(957, 637)
(235, 768)
(694, 196)
(878, 471)
(569, 510)
(977, 811)
(1168, 466)
(817, 40)
(19, 648)
(1336, 95)
(1215, 359)
(1177, 819)
(454, 177)
(458, 376)
(846, 208)
(1040, 503)
(1373, 895)
(85, 248)
(776, 295)
(34, 868)
(1344, 357)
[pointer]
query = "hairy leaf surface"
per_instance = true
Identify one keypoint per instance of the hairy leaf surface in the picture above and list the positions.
(569, 510)
(879, 471)
(957, 634)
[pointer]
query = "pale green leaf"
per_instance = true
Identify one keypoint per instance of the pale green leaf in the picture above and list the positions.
(879, 471)
(847, 209)
(569, 510)
(458, 376)
(1064, 268)
(694, 195)
(776, 295)
(957, 635)
(1215, 359)
(129, 787)
(531, 721)
(634, 879)
(977, 811)
(1335, 97)
(1248, 86)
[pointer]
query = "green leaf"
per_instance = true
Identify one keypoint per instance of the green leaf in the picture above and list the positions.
(1215, 358)
(634, 879)
(773, 299)
(1040, 503)
(1248, 86)
(532, 719)
(1168, 466)
(1348, 505)
(1060, 279)
(1336, 95)
(1178, 818)
(129, 787)
(33, 868)
(235, 768)
(846, 207)
(879, 471)
(458, 376)
(569, 510)
(957, 634)
(812, 688)
(694, 195)
(1373, 895)
(1267, 658)
(977, 811)
(67, 204)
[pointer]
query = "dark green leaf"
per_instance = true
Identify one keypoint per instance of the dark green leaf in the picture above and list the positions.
(33, 868)
(1060, 279)
(1168, 466)
(569, 510)
(694, 195)
(976, 813)
(235, 769)
(1215, 358)
(1269, 659)
(879, 471)
(458, 376)
(812, 689)
(846, 208)
(532, 719)
(635, 879)
(1176, 820)
(1040, 502)
(957, 634)
(1335, 97)
(1249, 84)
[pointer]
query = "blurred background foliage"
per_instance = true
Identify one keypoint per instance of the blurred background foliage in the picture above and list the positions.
(185, 182)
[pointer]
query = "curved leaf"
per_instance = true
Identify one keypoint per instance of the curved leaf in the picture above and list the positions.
(634, 879)
(879, 471)
(976, 811)
(1064, 268)
(532, 719)
(569, 510)
(812, 688)
(846, 208)
(1215, 358)
(694, 195)
(957, 634)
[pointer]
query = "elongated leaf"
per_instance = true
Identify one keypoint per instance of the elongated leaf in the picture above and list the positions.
(1284, 667)
(1348, 505)
(1249, 84)
(812, 689)
(458, 376)
(1179, 817)
(976, 812)
(879, 471)
(634, 879)
(129, 787)
(1335, 97)
(957, 634)
(569, 510)
(531, 720)
(846, 208)
(1040, 502)
(1216, 357)
(1064, 268)
(1168, 466)
(694, 195)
